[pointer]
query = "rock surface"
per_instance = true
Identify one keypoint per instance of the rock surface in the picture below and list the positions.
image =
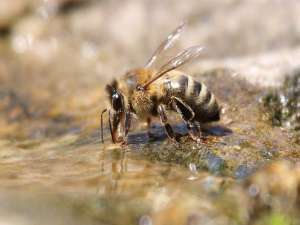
(54, 63)
(10, 11)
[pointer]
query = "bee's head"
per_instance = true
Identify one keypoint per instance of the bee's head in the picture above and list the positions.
(116, 98)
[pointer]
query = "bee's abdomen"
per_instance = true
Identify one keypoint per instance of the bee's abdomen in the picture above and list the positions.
(196, 95)
(202, 101)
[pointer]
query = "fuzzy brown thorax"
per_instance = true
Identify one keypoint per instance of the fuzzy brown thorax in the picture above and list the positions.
(128, 83)
(139, 101)
(142, 103)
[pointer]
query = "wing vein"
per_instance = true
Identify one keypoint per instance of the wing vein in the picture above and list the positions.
(166, 44)
(180, 59)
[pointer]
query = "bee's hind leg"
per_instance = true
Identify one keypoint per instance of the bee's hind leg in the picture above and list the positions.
(164, 120)
(194, 131)
(187, 114)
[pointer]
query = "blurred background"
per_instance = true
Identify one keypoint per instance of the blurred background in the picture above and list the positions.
(57, 55)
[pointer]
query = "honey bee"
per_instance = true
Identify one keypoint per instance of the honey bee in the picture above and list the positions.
(147, 93)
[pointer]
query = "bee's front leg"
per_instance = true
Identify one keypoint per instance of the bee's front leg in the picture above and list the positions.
(114, 122)
(164, 120)
(127, 124)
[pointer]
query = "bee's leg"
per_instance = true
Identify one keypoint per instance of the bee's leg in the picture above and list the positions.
(110, 127)
(149, 124)
(194, 131)
(127, 124)
(114, 125)
(149, 127)
(150, 134)
(101, 125)
(187, 114)
(164, 120)
(185, 111)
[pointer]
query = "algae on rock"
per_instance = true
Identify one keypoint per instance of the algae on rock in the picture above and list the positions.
(283, 105)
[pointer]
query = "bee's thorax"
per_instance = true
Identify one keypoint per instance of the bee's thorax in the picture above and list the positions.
(142, 103)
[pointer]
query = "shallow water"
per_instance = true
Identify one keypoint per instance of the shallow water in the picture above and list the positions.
(73, 178)
(91, 181)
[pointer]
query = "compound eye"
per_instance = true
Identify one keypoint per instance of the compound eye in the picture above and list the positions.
(117, 102)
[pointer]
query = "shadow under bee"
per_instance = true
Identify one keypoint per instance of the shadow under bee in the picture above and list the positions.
(158, 133)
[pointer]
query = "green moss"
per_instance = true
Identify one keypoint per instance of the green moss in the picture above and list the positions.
(276, 219)
(283, 105)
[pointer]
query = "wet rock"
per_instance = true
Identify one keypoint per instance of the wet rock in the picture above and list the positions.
(269, 154)
(215, 164)
(283, 105)
(243, 171)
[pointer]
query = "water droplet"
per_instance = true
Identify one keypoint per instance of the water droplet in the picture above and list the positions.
(193, 167)
(192, 177)
(145, 220)
(283, 99)
(253, 190)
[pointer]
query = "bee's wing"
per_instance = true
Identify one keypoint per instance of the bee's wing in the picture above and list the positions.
(167, 43)
(180, 59)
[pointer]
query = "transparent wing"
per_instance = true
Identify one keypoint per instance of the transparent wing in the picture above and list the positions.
(167, 43)
(180, 59)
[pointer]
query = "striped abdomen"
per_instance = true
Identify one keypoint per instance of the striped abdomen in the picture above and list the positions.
(193, 93)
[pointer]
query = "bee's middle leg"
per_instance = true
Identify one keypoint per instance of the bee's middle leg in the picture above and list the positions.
(150, 134)
(187, 114)
(164, 120)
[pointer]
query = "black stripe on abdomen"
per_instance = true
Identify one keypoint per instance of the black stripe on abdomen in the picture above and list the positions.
(196, 89)
(183, 82)
(207, 98)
